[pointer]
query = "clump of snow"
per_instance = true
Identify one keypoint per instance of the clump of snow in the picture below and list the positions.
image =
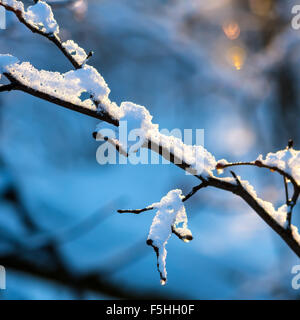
(222, 162)
(67, 86)
(295, 233)
(281, 215)
(138, 121)
(75, 51)
(16, 5)
(201, 161)
(220, 165)
(39, 15)
(139, 124)
(171, 212)
(6, 60)
(287, 160)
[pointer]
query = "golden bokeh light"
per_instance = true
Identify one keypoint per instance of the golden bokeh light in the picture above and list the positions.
(231, 30)
(260, 7)
(236, 57)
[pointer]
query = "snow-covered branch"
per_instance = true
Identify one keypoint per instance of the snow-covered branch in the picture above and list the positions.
(39, 19)
(84, 90)
(286, 163)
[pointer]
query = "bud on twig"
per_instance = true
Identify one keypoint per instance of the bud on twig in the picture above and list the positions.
(290, 144)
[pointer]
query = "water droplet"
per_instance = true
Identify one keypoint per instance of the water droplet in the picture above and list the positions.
(220, 171)
(162, 282)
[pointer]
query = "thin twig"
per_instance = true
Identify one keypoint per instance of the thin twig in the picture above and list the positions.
(136, 211)
(185, 198)
(194, 190)
(50, 36)
(286, 176)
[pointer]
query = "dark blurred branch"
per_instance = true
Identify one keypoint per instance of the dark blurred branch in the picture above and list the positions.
(11, 194)
(91, 282)
(55, 268)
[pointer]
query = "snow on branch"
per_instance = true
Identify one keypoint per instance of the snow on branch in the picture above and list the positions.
(39, 19)
(170, 218)
(39, 16)
(279, 215)
(170, 215)
(83, 87)
(287, 160)
(76, 52)
(195, 158)
(287, 163)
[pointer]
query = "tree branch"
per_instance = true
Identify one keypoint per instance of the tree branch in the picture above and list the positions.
(185, 198)
(211, 181)
(286, 176)
(91, 282)
(50, 36)
(7, 87)
(101, 115)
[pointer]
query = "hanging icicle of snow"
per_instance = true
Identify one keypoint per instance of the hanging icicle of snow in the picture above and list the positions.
(171, 213)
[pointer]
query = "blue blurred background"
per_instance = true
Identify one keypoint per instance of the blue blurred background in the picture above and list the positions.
(226, 66)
